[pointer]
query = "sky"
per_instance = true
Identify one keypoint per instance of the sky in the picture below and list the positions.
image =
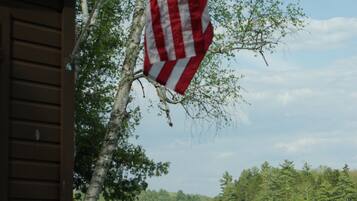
(303, 107)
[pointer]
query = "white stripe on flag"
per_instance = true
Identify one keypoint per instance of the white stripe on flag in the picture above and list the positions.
(205, 18)
(176, 73)
(156, 69)
(187, 28)
(183, 69)
(166, 28)
(152, 51)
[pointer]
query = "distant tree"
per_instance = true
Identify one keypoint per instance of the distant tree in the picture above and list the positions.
(345, 189)
(163, 195)
(287, 180)
(266, 185)
(325, 192)
(148, 196)
(331, 175)
(353, 175)
(226, 180)
(228, 190)
(248, 184)
(307, 185)
(180, 196)
(160, 195)
(285, 183)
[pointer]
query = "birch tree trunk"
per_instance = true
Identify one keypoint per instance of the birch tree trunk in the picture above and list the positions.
(85, 12)
(116, 124)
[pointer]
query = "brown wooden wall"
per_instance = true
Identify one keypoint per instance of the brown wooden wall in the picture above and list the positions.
(36, 100)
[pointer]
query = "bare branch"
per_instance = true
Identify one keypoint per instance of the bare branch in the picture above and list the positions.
(138, 72)
(187, 112)
(142, 87)
(174, 100)
(163, 100)
(138, 76)
(256, 46)
(265, 60)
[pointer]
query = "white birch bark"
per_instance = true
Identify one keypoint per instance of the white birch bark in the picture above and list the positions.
(118, 114)
(85, 12)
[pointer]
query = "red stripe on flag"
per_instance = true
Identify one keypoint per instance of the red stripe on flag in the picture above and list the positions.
(203, 2)
(175, 20)
(208, 37)
(194, 64)
(166, 72)
(157, 29)
(188, 74)
(196, 22)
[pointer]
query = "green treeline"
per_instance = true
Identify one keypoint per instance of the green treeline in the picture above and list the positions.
(163, 195)
(285, 183)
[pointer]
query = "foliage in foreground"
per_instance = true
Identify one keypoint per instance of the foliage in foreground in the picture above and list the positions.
(98, 71)
(285, 183)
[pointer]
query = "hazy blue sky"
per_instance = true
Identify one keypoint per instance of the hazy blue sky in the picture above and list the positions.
(303, 108)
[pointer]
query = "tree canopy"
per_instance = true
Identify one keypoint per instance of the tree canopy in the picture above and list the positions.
(269, 183)
(284, 183)
(98, 73)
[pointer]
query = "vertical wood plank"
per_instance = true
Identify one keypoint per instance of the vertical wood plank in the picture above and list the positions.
(67, 98)
(4, 99)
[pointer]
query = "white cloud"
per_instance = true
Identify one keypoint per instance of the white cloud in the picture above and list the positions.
(225, 155)
(243, 117)
(301, 85)
(354, 95)
(303, 144)
(310, 141)
(324, 34)
(294, 95)
(282, 97)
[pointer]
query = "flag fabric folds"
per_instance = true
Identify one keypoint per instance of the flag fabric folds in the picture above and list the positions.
(178, 34)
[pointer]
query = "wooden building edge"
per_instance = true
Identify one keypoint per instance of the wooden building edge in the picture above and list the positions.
(36, 100)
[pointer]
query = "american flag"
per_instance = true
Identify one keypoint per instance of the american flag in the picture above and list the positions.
(178, 34)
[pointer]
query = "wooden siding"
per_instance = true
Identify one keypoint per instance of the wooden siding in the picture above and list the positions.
(4, 100)
(55, 5)
(67, 103)
(36, 102)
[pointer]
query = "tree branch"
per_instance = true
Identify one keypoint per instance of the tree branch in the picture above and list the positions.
(142, 87)
(162, 95)
(168, 100)
(138, 76)
(138, 72)
(84, 32)
(265, 60)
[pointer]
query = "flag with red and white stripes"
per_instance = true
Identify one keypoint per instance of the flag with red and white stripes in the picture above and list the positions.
(178, 34)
